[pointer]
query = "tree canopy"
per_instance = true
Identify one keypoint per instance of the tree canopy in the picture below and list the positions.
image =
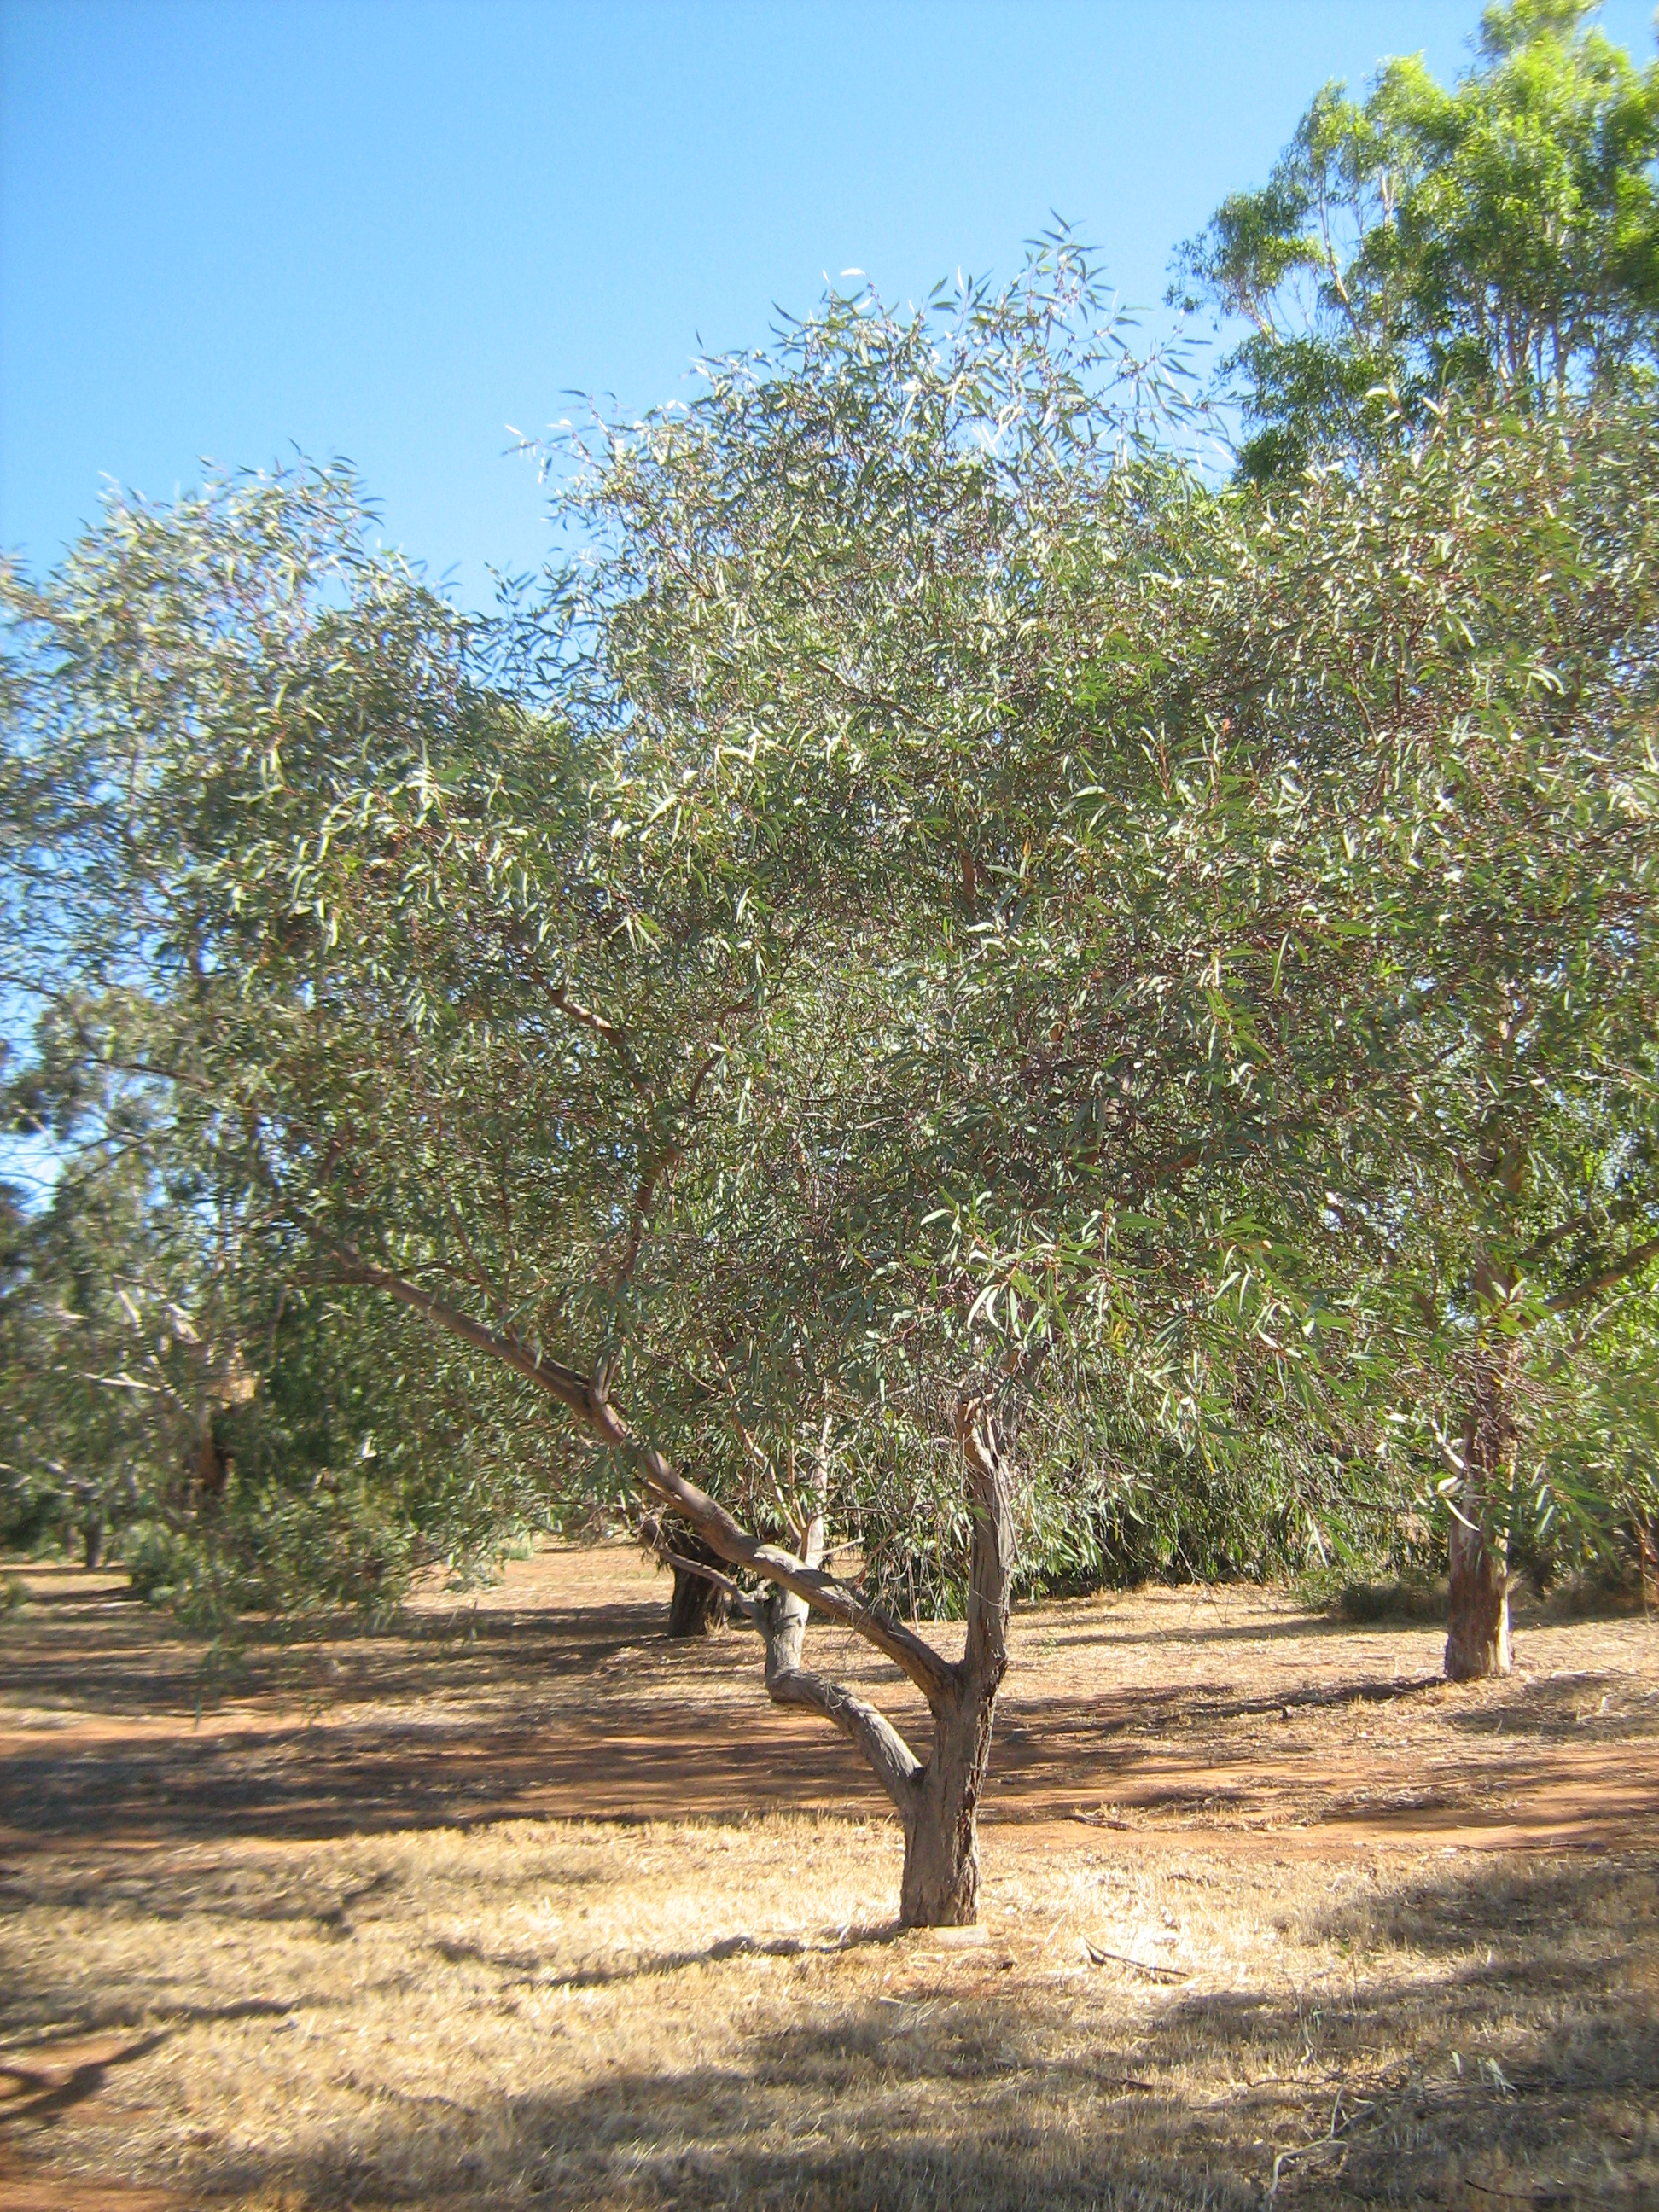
(1498, 241)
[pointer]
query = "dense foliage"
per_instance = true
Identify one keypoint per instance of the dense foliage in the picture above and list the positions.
(1498, 241)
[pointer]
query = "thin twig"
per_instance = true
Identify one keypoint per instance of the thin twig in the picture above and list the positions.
(1099, 1957)
(1340, 2123)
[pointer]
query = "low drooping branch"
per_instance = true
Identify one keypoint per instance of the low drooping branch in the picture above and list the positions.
(934, 1676)
(564, 1383)
(740, 1599)
(782, 1616)
(781, 1619)
(938, 1799)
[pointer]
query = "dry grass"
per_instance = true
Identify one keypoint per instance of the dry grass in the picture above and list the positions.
(448, 2008)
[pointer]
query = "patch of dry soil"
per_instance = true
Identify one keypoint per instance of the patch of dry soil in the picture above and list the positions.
(1228, 1713)
(524, 1904)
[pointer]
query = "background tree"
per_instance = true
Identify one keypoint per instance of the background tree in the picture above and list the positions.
(1481, 609)
(1498, 241)
(185, 1393)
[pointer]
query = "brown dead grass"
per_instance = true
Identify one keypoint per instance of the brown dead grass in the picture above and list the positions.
(310, 1952)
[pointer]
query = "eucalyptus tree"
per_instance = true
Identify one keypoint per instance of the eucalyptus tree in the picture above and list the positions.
(1482, 609)
(854, 794)
(1499, 240)
(455, 962)
(886, 948)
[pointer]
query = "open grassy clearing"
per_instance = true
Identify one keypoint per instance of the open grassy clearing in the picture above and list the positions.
(310, 1952)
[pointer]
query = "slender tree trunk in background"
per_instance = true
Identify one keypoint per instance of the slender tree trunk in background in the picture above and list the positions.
(212, 1465)
(1478, 1634)
(700, 1604)
(92, 1540)
(1647, 1560)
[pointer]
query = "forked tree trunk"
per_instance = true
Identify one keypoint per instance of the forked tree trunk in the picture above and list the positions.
(1477, 1628)
(937, 1802)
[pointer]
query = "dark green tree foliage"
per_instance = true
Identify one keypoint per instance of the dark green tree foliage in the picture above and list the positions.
(1498, 241)
(1494, 247)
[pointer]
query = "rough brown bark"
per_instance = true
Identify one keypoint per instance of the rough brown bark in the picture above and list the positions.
(1477, 1608)
(92, 1541)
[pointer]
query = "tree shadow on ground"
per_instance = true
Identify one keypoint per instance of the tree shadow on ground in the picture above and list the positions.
(1579, 1708)
(502, 1744)
(1491, 2044)
(101, 1648)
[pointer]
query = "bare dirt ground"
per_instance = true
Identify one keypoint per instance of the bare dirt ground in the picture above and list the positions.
(524, 1905)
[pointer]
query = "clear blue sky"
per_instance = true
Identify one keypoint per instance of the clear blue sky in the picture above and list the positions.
(389, 228)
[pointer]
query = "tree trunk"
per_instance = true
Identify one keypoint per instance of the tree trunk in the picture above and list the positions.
(1477, 1635)
(940, 1886)
(92, 1541)
(212, 1467)
(938, 1804)
(700, 1605)
(697, 1607)
(1478, 1631)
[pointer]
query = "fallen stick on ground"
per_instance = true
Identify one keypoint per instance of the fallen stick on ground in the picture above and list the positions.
(1099, 1957)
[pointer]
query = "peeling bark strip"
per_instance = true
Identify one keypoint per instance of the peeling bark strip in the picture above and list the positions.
(937, 1799)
